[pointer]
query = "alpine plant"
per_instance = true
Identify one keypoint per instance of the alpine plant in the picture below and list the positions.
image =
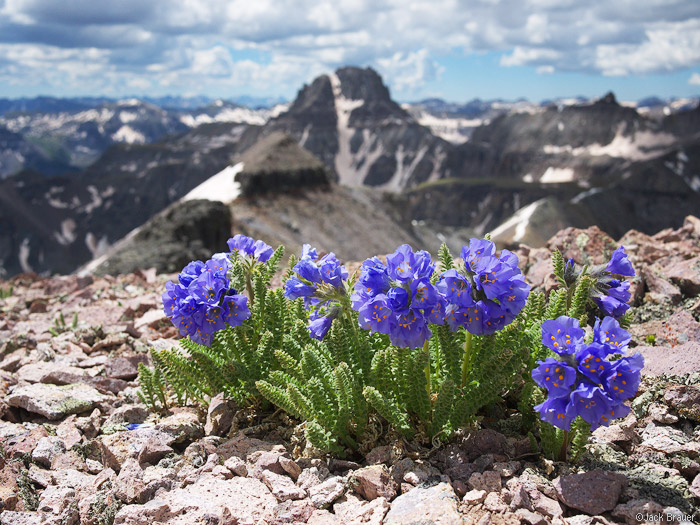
(581, 381)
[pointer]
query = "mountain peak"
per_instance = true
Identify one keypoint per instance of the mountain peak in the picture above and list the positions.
(362, 84)
(608, 98)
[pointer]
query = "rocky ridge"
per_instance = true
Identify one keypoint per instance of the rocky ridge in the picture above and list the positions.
(68, 392)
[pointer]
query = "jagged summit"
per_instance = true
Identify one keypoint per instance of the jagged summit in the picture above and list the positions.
(608, 98)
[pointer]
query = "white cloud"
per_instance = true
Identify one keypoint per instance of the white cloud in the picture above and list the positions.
(228, 43)
(694, 79)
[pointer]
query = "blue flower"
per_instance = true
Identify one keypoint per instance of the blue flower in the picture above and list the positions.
(610, 335)
(623, 377)
(554, 411)
(487, 293)
(614, 298)
(319, 325)
(562, 335)
(398, 298)
(555, 376)
(619, 263)
(255, 250)
(322, 284)
(596, 387)
(202, 302)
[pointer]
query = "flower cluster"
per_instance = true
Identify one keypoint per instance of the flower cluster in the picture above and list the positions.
(610, 294)
(487, 293)
(202, 302)
(321, 282)
(253, 251)
(397, 298)
(582, 382)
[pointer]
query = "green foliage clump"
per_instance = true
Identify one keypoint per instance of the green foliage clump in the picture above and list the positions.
(337, 386)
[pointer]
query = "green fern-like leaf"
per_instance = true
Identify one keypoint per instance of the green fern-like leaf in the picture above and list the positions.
(388, 409)
(322, 439)
(581, 431)
(580, 300)
(278, 397)
(443, 406)
(445, 257)
(558, 263)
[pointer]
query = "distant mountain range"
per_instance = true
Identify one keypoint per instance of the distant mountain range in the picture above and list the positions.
(80, 174)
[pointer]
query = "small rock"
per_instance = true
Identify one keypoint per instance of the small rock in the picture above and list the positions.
(219, 415)
(121, 368)
(312, 476)
(591, 492)
(474, 497)
(494, 502)
(507, 469)
(8, 498)
(377, 455)
(23, 441)
(695, 487)
(486, 441)
(209, 500)
(325, 493)
(374, 481)
(68, 432)
(520, 499)
(129, 484)
(290, 467)
(546, 505)
(633, 508)
(281, 486)
(237, 466)
(685, 399)
(492, 481)
(46, 449)
(436, 505)
(531, 518)
(686, 275)
(10, 517)
(127, 415)
(148, 445)
(55, 402)
(184, 426)
(93, 467)
(351, 509)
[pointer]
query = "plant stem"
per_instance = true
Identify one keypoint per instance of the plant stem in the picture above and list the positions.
(466, 361)
(428, 387)
(249, 288)
(564, 446)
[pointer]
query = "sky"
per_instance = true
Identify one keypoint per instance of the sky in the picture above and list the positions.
(452, 49)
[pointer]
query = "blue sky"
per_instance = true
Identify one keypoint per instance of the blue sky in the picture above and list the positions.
(454, 49)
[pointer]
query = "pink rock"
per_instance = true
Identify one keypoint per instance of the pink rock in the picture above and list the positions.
(591, 492)
(374, 481)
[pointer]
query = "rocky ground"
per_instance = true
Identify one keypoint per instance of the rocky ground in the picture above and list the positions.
(69, 350)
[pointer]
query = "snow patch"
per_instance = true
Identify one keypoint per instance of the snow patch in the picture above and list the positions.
(554, 175)
(643, 146)
(127, 116)
(23, 256)
(96, 247)
(454, 130)
(129, 135)
(345, 161)
(67, 234)
(222, 187)
(517, 222)
(585, 194)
